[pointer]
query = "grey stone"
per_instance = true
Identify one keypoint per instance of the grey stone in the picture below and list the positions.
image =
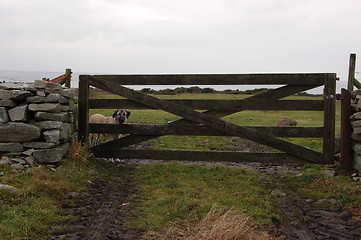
(4, 162)
(356, 161)
(39, 145)
(355, 124)
(17, 166)
(49, 124)
(356, 137)
(357, 130)
(70, 93)
(19, 113)
(357, 147)
(286, 122)
(355, 116)
(9, 86)
(51, 98)
(7, 103)
(18, 132)
(4, 116)
(30, 160)
(10, 189)
(51, 136)
(2, 174)
(28, 152)
(19, 160)
(16, 95)
(64, 108)
(329, 173)
(11, 147)
(41, 93)
(46, 107)
(52, 155)
(278, 193)
(63, 116)
(356, 179)
(44, 85)
(66, 131)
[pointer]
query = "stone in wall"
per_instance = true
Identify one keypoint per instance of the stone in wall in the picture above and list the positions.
(52, 136)
(19, 113)
(16, 95)
(49, 124)
(11, 147)
(4, 116)
(52, 155)
(51, 98)
(18, 132)
(46, 107)
(62, 116)
(7, 103)
(47, 85)
(40, 145)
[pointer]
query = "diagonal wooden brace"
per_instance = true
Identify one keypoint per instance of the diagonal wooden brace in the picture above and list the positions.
(211, 121)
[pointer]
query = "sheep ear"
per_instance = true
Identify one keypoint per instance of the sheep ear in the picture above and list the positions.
(114, 113)
(128, 114)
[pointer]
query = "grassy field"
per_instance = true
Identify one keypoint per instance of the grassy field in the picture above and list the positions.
(243, 118)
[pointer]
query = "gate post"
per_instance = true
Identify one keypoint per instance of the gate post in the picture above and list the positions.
(345, 151)
(83, 107)
(329, 95)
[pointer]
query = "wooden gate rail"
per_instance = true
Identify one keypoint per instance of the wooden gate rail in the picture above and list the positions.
(210, 118)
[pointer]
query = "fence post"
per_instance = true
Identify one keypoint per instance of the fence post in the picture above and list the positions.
(83, 107)
(351, 72)
(345, 148)
(68, 78)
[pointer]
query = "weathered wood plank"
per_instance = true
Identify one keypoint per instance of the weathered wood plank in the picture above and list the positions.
(329, 120)
(83, 107)
(277, 93)
(225, 105)
(229, 128)
(195, 155)
(218, 79)
(199, 130)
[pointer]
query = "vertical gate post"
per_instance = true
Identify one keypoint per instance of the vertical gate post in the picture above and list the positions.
(329, 118)
(351, 72)
(345, 151)
(68, 78)
(83, 107)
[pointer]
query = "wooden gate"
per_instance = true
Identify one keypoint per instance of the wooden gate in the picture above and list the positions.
(208, 123)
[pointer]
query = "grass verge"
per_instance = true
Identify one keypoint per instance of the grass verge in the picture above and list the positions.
(32, 212)
(176, 195)
(176, 201)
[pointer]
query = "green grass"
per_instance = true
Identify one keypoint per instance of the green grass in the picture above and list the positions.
(178, 194)
(172, 195)
(33, 213)
(243, 118)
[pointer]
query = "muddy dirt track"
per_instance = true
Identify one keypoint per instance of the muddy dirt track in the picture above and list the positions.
(100, 212)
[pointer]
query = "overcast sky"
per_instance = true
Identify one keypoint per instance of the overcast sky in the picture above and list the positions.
(173, 36)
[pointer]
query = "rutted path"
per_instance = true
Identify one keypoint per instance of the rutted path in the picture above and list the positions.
(101, 212)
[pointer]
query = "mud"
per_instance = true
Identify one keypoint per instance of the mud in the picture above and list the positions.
(101, 212)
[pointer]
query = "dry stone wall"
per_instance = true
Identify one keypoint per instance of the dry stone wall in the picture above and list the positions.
(356, 129)
(37, 122)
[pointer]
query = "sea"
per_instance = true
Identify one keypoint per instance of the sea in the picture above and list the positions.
(31, 76)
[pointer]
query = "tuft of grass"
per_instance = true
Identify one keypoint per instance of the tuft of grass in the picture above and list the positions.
(218, 224)
(79, 153)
